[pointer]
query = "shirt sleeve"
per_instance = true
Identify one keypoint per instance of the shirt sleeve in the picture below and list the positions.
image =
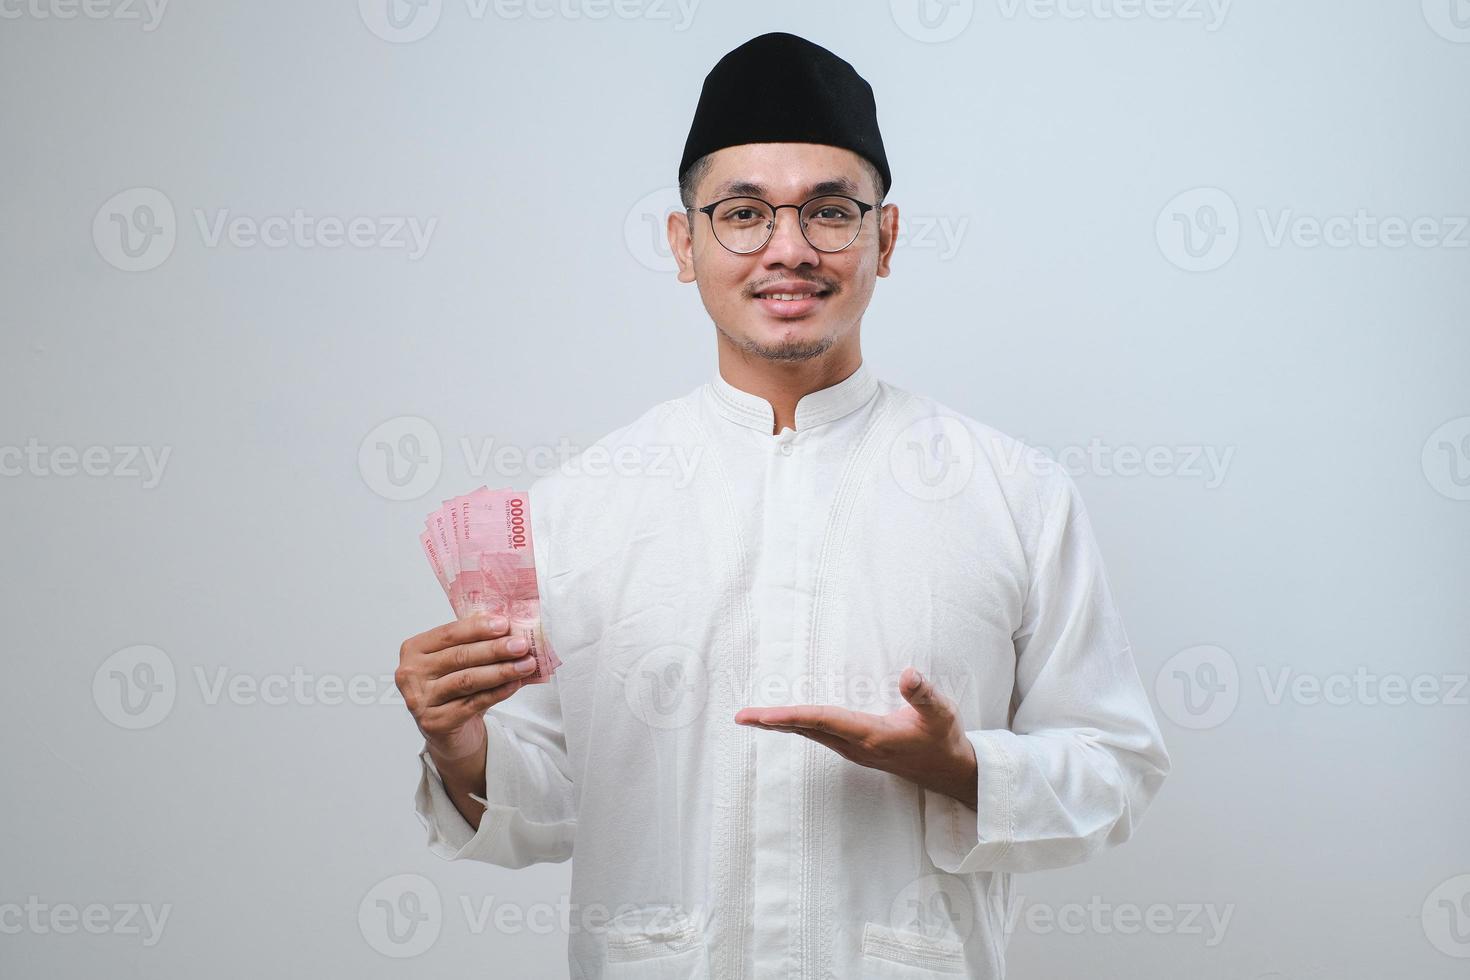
(530, 807)
(1083, 756)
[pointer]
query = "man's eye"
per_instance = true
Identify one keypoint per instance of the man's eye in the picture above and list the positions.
(742, 214)
(831, 213)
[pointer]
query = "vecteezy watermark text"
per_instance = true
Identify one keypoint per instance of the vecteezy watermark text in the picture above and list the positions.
(64, 918)
(512, 461)
(1200, 687)
(136, 688)
(1097, 458)
(1210, 13)
(148, 12)
(406, 21)
(136, 230)
(122, 462)
(1200, 230)
(402, 458)
(302, 230)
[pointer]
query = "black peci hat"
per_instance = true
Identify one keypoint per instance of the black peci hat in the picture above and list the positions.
(780, 88)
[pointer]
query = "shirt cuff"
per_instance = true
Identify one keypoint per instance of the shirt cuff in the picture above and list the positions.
(450, 834)
(960, 840)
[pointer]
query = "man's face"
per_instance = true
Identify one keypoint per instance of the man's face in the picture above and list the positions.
(733, 286)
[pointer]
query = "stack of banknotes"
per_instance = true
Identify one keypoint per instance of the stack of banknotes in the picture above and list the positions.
(479, 546)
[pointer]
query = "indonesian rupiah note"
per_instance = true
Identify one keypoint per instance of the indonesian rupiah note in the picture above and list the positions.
(480, 549)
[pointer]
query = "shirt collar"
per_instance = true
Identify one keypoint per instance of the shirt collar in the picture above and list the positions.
(814, 408)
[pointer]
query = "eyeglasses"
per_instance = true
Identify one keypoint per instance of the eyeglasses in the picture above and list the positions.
(744, 224)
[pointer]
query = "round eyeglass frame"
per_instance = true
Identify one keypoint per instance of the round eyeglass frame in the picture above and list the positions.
(708, 209)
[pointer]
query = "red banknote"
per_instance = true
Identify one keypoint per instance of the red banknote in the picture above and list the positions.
(479, 546)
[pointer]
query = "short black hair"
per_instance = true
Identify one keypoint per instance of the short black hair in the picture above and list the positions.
(695, 172)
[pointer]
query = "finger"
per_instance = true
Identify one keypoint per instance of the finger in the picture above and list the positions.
(828, 718)
(474, 680)
(920, 692)
(470, 629)
(477, 654)
(831, 741)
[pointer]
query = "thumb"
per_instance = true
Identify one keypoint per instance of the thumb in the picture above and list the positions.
(920, 692)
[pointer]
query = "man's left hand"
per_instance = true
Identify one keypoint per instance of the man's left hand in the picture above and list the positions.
(923, 741)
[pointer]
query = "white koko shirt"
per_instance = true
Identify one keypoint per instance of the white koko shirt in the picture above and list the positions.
(692, 563)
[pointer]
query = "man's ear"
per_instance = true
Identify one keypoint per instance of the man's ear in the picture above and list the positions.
(887, 236)
(681, 244)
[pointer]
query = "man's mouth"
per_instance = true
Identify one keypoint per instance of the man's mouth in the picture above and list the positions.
(791, 301)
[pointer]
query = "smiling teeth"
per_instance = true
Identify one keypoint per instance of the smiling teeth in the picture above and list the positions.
(786, 296)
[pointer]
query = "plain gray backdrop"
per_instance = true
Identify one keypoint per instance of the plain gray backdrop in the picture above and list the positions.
(1213, 257)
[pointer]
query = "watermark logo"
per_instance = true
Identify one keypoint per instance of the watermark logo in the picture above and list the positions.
(1198, 687)
(645, 228)
(1450, 19)
(1446, 459)
(135, 688)
(1446, 917)
(932, 21)
(135, 230)
(401, 916)
(667, 687)
(401, 459)
(400, 21)
(933, 458)
(935, 907)
(1199, 230)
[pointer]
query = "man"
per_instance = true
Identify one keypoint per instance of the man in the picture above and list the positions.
(826, 691)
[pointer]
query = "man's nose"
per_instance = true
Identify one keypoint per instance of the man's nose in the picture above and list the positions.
(788, 246)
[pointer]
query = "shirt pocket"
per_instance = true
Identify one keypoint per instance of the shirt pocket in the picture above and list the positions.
(896, 954)
(656, 942)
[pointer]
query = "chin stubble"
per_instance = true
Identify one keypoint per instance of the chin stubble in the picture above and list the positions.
(787, 350)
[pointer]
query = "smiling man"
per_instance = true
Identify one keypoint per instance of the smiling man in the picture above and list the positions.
(820, 700)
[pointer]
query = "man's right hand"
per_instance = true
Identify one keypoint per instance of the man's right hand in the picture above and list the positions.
(450, 675)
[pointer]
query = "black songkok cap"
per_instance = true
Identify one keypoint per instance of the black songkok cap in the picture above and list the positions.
(780, 88)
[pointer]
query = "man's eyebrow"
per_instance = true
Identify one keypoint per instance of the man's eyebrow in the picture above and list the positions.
(740, 187)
